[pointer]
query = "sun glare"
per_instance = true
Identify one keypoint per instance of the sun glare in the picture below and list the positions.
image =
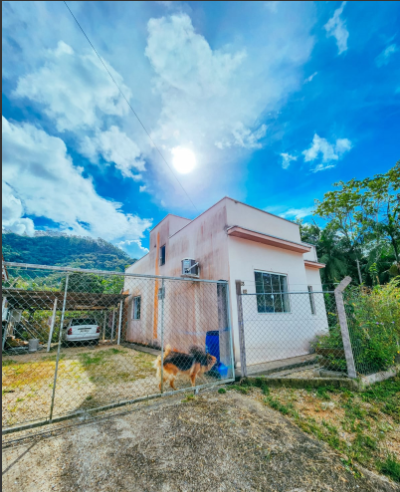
(183, 159)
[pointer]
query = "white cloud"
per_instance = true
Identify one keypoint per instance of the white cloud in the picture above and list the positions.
(322, 167)
(39, 170)
(208, 95)
(287, 159)
(142, 188)
(336, 27)
(12, 213)
(133, 247)
(114, 146)
(309, 79)
(384, 57)
(320, 147)
(297, 213)
(189, 91)
(75, 89)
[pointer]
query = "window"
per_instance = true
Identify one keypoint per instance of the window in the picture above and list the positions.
(312, 300)
(162, 255)
(136, 307)
(274, 286)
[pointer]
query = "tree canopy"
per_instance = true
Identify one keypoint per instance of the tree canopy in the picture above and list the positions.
(362, 224)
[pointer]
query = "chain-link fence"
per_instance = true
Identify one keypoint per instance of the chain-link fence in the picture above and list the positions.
(75, 342)
(282, 330)
(330, 361)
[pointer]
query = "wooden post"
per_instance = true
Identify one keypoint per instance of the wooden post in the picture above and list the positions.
(53, 320)
(243, 365)
(351, 367)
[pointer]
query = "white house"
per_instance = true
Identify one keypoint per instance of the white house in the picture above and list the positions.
(232, 241)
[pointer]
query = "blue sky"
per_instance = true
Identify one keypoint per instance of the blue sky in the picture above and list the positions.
(272, 101)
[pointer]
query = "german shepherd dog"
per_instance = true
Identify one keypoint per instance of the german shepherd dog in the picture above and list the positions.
(194, 364)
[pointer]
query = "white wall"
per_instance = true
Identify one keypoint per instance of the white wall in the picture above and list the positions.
(273, 336)
(260, 221)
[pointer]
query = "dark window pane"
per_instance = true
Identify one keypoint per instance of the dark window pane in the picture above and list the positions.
(267, 282)
(162, 255)
(259, 283)
(261, 307)
(279, 303)
(269, 303)
(276, 285)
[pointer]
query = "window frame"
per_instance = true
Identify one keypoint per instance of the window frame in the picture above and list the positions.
(283, 294)
(134, 308)
(163, 256)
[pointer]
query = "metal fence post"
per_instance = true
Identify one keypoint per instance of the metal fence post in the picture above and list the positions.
(104, 325)
(59, 347)
(229, 327)
(162, 335)
(243, 364)
(53, 320)
(113, 326)
(119, 324)
(3, 309)
(348, 352)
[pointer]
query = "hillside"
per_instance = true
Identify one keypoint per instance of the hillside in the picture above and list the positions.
(63, 250)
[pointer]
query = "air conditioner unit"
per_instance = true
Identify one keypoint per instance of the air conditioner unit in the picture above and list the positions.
(190, 268)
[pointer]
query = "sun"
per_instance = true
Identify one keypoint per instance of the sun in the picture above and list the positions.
(183, 159)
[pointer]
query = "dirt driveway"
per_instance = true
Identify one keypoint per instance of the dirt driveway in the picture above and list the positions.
(214, 442)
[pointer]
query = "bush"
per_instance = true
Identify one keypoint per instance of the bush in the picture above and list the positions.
(373, 317)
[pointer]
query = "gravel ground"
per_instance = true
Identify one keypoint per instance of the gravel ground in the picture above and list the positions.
(215, 442)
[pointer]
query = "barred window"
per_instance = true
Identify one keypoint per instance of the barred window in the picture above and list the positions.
(274, 288)
(136, 307)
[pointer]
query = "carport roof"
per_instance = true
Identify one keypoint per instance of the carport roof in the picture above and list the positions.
(35, 300)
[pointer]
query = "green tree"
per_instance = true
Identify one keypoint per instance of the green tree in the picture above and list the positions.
(365, 216)
(82, 282)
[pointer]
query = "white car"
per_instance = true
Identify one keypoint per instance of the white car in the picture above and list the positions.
(82, 330)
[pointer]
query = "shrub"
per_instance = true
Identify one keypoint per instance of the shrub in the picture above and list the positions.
(373, 317)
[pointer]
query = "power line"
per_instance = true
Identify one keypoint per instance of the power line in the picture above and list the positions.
(129, 104)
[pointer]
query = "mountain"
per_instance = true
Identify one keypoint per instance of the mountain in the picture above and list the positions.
(63, 250)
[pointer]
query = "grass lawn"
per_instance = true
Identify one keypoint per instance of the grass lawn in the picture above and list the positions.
(87, 378)
(363, 426)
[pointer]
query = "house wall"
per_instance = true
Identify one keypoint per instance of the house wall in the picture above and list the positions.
(190, 308)
(185, 303)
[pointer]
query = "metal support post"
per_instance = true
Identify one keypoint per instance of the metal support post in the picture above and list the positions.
(59, 346)
(119, 323)
(230, 331)
(53, 320)
(3, 309)
(351, 367)
(243, 364)
(104, 325)
(162, 334)
(113, 326)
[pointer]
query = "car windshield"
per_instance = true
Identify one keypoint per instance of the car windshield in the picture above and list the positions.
(79, 322)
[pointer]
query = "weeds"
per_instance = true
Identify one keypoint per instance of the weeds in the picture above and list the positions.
(354, 424)
(390, 467)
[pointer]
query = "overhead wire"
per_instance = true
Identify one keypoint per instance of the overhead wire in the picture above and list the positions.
(129, 104)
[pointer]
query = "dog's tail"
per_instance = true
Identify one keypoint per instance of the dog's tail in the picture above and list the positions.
(167, 351)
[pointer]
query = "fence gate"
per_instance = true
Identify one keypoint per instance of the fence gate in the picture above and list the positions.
(279, 331)
(77, 341)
